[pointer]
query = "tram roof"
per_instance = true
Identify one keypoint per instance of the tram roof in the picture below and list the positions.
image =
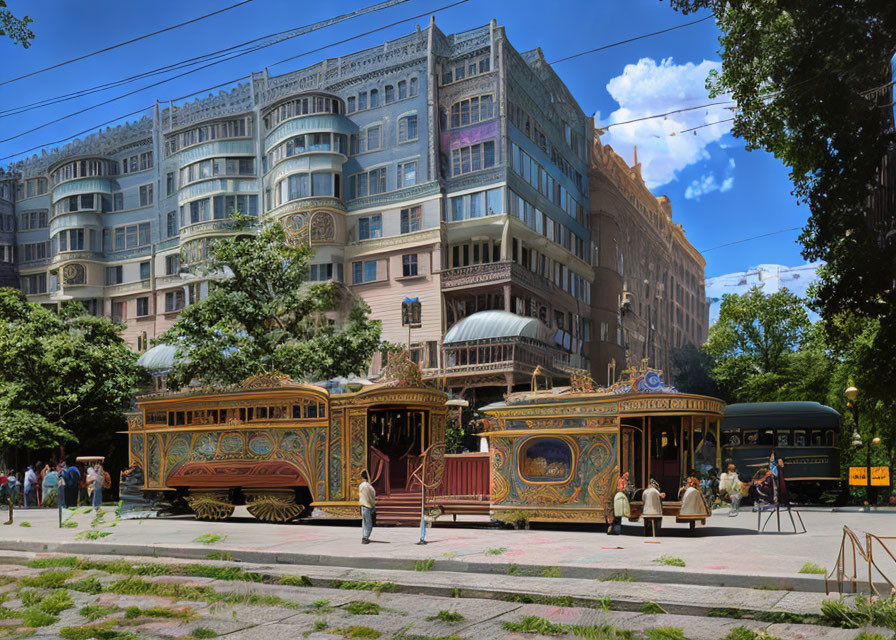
(779, 415)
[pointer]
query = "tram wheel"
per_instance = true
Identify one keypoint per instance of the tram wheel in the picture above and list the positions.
(210, 505)
(273, 505)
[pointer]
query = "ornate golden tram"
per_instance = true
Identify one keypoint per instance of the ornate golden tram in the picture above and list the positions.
(283, 448)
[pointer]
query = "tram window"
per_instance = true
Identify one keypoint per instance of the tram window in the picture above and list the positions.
(276, 413)
(311, 410)
(321, 410)
(751, 438)
(830, 438)
(816, 438)
(213, 416)
(261, 413)
(783, 438)
(242, 414)
(733, 439)
(767, 438)
(545, 459)
(296, 411)
(799, 438)
(170, 418)
(180, 418)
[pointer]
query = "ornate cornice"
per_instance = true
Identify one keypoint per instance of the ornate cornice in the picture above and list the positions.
(392, 198)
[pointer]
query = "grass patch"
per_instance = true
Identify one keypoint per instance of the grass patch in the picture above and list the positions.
(525, 598)
(355, 632)
(670, 561)
(785, 617)
(136, 587)
(362, 608)
(46, 563)
(218, 573)
(47, 580)
(320, 606)
(96, 611)
(55, 603)
(320, 625)
(447, 616)
(219, 555)
(93, 534)
(880, 613)
(651, 607)
(251, 599)
(424, 565)
(621, 576)
(87, 585)
(96, 631)
(725, 612)
(295, 581)
(449, 554)
(34, 618)
(811, 567)
(604, 604)
(203, 632)
(535, 624)
(869, 636)
(132, 613)
(456, 592)
(664, 633)
(209, 538)
(69, 524)
(30, 598)
(495, 551)
(24, 524)
(551, 572)
(365, 585)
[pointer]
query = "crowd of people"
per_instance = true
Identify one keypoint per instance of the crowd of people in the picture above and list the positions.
(56, 484)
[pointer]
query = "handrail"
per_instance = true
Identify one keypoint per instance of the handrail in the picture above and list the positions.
(866, 553)
(382, 462)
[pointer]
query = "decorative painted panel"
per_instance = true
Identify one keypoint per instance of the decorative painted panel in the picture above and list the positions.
(153, 459)
(336, 462)
(137, 449)
(358, 441)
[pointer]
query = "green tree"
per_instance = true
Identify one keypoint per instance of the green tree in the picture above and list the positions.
(692, 371)
(263, 316)
(64, 378)
(15, 28)
(752, 344)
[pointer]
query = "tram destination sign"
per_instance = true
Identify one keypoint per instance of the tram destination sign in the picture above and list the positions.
(880, 476)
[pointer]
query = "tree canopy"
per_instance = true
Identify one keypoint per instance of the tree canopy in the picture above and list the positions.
(64, 378)
(262, 315)
(16, 29)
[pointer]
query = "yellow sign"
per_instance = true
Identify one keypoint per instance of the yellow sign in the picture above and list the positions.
(880, 476)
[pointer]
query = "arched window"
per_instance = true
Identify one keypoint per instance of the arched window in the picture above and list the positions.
(374, 98)
(545, 459)
(351, 104)
(402, 90)
(390, 93)
(413, 87)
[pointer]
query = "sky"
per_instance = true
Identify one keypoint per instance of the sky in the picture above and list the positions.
(720, 192)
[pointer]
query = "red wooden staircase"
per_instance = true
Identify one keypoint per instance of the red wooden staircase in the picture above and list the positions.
(400, 508)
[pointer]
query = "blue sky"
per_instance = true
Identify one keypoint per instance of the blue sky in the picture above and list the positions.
(720, 193)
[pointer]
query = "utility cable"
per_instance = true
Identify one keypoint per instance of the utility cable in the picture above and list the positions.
(764, 235)
(415, 17)
(616, 44)
(314, 27)
(252, 45)
(121, 44)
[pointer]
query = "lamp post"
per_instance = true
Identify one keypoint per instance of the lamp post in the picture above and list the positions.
(852, 394)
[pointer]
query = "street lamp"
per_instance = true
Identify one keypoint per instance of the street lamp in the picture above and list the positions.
(852, 395)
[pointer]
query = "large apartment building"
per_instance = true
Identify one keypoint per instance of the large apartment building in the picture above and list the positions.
(447, 168)
(649, 294)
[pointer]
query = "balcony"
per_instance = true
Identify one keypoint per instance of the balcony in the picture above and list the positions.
(517, 355)
(477, 275)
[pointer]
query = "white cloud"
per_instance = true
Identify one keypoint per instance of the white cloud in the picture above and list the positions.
(648, 88)
(707, 183)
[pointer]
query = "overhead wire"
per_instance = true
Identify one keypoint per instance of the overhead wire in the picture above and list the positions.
(121, 44)
(275, 38)
(143, 109)
(301, 31)
(764, 235)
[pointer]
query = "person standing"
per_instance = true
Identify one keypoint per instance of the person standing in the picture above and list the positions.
(60, 484)
(367, 498)
(30, 487)
(72, 486)
(89, 484)
(49, 487)
(730, 487)
(98, 481)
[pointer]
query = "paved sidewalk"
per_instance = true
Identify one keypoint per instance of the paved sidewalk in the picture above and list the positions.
(726, 552)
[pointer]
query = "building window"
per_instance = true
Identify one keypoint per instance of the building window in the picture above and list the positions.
(113, 275)
(402, 90)
(28, 221)
(471, 111)
(117, 201)
(364, 271)
(413, 87)
(171, 224)
(136, 235)
(410, 220)
(174, 301)
(172, 264)
(390, 93)
(409, 265)
(473, 158)
(374, 136)
(142, 307)
(407, 128)
(225, 206)
(407, 174)
(146, 195)
(169, 183)
(374, 98)
(351, 104)
(369, 183)
(144, 271)
(370, 227)
(476, 205)
(362, 101)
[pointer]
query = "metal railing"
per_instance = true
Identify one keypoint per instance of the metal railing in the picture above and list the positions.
(856, 555)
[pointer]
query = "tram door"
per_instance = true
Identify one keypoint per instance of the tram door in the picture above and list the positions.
(631, 459)
(395, 440)
(665, 453)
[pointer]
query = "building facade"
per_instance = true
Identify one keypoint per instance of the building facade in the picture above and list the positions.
(447, 168)
(649, 295)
